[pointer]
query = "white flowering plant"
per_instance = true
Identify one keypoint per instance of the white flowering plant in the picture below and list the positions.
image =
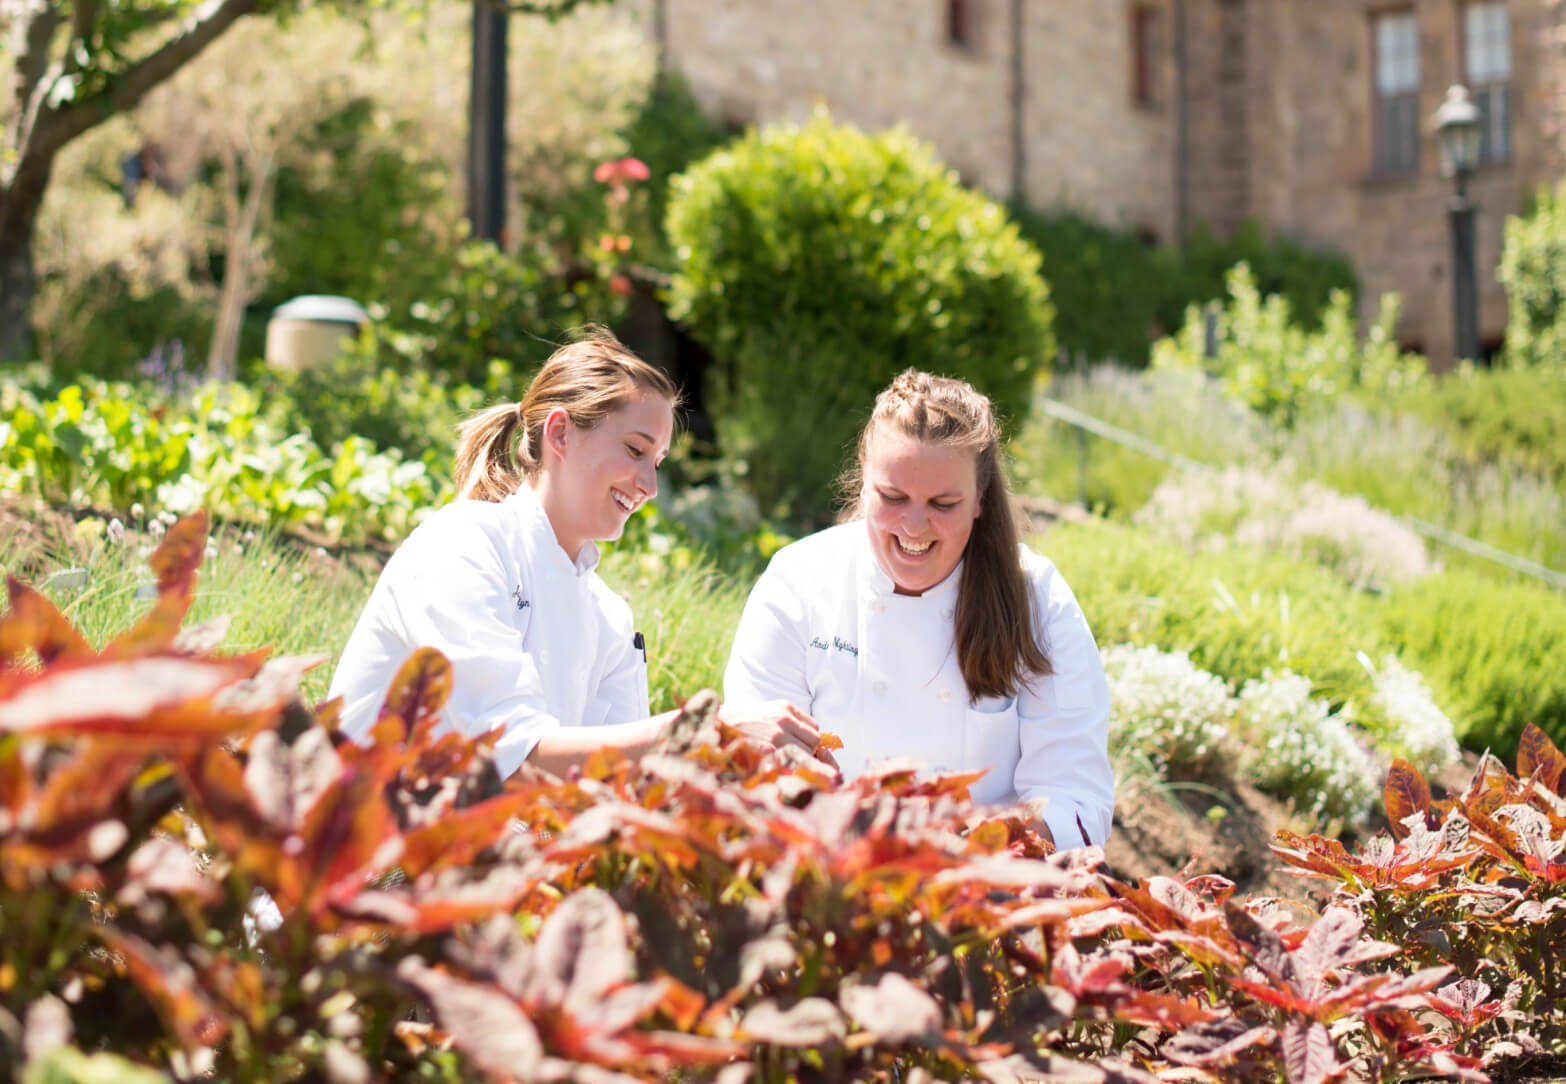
(1265, 508)
(1297, 746)
(1410, 724)
(1168, 710)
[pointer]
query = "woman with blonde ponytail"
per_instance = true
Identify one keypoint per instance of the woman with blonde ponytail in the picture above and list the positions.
(502, 581)
(922, 628)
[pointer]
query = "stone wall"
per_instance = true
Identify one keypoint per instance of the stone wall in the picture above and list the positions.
(1278, 95)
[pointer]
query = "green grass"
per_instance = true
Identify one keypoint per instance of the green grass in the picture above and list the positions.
(299, 600)
(1400, 463)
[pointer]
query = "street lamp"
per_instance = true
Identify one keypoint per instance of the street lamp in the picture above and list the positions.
(1458, 125)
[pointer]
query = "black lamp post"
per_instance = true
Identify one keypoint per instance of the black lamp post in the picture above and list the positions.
(1458, 124)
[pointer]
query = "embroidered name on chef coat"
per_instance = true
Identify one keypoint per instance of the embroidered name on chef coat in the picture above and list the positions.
(837, 642)
(522, 603)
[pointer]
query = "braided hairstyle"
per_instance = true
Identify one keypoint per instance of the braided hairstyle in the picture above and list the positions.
(997, 648)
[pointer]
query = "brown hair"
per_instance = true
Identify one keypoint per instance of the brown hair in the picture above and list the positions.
(996, 646)
(590, 379)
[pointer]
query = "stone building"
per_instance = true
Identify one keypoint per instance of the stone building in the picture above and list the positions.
(1311, 116)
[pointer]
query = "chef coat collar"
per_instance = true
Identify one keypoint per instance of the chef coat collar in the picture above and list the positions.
(880, 584)
(546, 545)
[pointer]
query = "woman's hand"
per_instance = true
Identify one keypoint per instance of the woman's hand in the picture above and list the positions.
(777, 723)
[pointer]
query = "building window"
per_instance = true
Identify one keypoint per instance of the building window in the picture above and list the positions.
(959, 23)
(1396, 120)
(1146, 45)
(1487, 69)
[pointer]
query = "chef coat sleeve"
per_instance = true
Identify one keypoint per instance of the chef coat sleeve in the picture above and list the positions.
(1063, 719)
(767, 661)
(453, 594)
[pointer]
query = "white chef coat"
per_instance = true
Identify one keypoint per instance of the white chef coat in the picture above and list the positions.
(536, 640)
(824, 630)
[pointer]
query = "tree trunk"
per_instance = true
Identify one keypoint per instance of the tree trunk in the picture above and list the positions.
(19, 206)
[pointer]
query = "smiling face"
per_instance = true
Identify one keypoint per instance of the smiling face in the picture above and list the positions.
(919, 501)
(595, 478)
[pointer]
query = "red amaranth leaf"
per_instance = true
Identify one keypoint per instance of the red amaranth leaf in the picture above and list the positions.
(33, 623)
(416, 696)
(139, 698)
(811, 1022)
(347, 835)
(1406, 793)
(80, 794)
(169, 983)
(892, 1008)
(174, 563)
(1326, 947)
(581, 953)
(486, 1025)
(1217, 1043)
(458, 835)
(1308, 1054)
(1537, 754)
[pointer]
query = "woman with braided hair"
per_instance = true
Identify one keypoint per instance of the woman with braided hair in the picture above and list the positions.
(502, 581)
(922, 628)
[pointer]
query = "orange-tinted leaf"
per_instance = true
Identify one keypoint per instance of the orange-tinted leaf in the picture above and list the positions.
(1407, 793)
(488, 1027)
(1536, 753)
(458, 836)
(16, 782)
(169, 983)
(174, 563)
(418, 692)
(80, 794)
(33, 623)
(120, 697)
(347, 834)
(439, 909)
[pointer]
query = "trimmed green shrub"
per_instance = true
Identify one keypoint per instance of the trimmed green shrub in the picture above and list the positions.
(1493, 650)
(818, 262)
(1105, 284)
(1533, 270)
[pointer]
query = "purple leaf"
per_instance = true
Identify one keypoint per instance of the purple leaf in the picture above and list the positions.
(894, 1009)
(487, 1026)
(1308, 1054)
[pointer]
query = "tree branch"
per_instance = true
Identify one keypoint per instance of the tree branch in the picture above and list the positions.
(127, 89)
(32, 63)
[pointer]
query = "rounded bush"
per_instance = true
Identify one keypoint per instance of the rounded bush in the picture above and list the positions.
(817, 262)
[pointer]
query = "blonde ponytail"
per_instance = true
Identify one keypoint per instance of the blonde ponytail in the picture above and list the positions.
(500, 447)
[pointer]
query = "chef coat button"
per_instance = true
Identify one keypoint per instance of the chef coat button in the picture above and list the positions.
(879, 688)
(946, 696)
(947, 613)
(878, 608)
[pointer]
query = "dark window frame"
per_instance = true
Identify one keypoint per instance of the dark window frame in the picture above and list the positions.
(1395, 138)
(1486, 95)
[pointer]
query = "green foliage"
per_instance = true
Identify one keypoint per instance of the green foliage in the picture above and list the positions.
(818, 262)
(670, 132)
(352, 209)
(1238, 613)
(113, 447)
(1494, 650)
(1272, 364)
(1512, 415)
(392, 406)
(1116, 292)
(1304, 276)
(1105, 284)
(1533, 270)
(479, 304)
